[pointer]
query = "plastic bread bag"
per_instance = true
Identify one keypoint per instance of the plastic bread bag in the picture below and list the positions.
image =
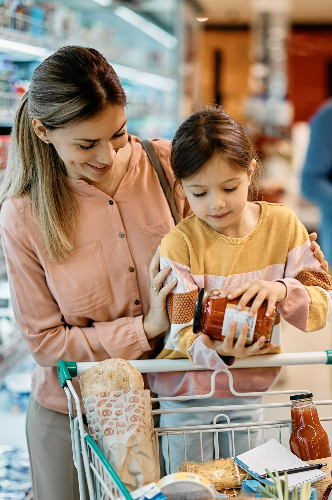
(120, 421)
(222, 473)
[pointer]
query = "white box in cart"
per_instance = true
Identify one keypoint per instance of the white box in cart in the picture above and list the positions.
(148, 492)
(186, 486)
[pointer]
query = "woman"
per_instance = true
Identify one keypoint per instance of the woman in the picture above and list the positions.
(82, 216)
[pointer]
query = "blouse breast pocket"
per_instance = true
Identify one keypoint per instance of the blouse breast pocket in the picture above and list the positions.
(81, 283)
(154, 234)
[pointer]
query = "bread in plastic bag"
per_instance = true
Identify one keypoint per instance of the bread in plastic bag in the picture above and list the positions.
(222, 472)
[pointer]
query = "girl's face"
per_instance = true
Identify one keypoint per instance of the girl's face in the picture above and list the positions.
(88, 148)
(218, 195)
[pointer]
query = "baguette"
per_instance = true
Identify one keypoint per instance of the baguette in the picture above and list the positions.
(110, 375)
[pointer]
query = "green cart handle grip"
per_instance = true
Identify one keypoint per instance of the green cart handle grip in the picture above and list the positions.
(66, 370)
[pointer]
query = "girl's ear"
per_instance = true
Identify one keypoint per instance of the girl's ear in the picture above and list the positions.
(251, 168)
(40, 130)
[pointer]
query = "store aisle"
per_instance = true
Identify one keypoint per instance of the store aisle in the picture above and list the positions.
(12, 428)
(14, 394)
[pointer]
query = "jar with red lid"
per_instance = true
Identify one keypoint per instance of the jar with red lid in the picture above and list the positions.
(214, 313)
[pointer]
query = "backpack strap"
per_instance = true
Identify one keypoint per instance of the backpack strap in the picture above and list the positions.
(149, 149)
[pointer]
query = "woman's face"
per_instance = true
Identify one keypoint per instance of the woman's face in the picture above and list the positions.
(218, 193)
(88, 149)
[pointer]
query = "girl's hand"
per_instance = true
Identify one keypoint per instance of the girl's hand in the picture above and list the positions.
(317, 252)
(272, 291)
(156, 321)
(238, 350)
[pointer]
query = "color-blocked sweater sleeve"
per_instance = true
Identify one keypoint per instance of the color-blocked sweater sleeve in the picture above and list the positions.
(181, 302)
(308, 303)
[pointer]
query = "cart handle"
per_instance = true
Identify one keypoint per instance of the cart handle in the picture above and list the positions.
(66, 370)
(69, 369)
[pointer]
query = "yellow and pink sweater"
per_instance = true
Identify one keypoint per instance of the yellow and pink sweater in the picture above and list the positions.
(277, 249)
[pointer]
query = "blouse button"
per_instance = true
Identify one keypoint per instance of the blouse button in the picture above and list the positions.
(111, 202)
(122, 235)
(131, 269)
(137, 302)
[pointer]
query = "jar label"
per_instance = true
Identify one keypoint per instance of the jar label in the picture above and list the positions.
(241, 317)
(322, 484)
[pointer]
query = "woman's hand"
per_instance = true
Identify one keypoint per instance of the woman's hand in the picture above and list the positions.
(272, 291)
(238, 350)
(156, 321)
(317, 252)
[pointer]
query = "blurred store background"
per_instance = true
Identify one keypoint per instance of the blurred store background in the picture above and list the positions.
(268, 62)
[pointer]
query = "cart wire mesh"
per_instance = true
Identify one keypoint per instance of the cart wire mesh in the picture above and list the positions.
(98, 480)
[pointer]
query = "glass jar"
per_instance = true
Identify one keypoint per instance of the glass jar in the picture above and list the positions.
(308, 439)
(214, 313)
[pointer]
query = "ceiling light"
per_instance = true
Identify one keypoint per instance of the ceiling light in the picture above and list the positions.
(146, 26)
(145, 78)
(32, 50)
(202, 19)
(104, 3)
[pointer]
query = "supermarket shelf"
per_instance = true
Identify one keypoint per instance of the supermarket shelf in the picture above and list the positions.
(8, 102)
(11, 353)
(25, 34)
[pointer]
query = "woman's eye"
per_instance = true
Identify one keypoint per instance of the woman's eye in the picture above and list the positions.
(120, 134)
(230, 190)
(198, 195)
(86, 147)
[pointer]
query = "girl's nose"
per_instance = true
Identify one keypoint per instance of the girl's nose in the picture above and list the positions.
(106, 154)
(217, 201)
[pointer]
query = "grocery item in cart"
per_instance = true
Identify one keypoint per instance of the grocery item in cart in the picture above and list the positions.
(223, 473)
(120, 421)
(328, 493)
(214, 313)
(186, 486)
(148, 492)
(308, 439)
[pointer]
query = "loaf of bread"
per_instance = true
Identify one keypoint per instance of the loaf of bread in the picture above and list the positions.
(222, 472)
(110, 375)
(119, 416)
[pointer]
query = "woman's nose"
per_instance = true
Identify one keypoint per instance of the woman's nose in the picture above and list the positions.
(106, 154)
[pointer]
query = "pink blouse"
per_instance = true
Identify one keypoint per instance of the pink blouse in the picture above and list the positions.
(89, 307)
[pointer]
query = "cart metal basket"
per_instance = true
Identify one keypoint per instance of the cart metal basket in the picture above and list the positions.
(94, 470)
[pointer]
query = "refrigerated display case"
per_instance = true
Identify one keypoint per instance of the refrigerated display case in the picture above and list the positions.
(152, 45)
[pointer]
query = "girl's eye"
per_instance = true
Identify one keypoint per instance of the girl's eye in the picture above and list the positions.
(197, 195)
(230, 190)
(86, 147)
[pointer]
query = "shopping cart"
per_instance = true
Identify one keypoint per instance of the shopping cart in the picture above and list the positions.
(92, 466)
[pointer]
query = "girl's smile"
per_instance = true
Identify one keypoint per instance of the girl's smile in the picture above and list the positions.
(218, 194)
(220, 216)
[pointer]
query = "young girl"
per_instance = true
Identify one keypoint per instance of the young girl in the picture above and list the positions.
(244, 247)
